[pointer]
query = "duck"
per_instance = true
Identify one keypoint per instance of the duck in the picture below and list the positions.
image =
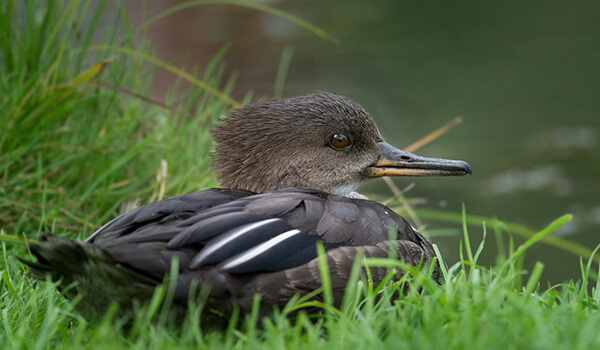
(288, 169)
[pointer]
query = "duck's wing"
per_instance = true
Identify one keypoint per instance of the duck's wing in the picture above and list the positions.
(238, 232)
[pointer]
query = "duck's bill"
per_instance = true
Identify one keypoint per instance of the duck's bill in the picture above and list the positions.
(396, 162)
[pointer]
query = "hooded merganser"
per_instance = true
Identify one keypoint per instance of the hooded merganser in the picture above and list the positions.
(289, 168)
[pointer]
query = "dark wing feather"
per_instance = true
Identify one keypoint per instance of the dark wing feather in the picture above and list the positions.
(211, 227)
(233, 228)
(166, 211)
(279, 287)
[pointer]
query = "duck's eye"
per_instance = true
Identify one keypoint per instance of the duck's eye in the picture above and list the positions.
(339, 141)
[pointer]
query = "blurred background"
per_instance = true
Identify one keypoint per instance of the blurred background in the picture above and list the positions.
(524, 76)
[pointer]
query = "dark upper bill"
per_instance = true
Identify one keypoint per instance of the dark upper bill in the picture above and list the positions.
(396, 162)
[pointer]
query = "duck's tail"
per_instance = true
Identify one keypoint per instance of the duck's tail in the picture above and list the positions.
(86, 269)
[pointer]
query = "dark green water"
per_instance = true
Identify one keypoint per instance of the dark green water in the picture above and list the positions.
(524, 75)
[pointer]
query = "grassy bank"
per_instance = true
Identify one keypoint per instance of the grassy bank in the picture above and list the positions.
(81, 140)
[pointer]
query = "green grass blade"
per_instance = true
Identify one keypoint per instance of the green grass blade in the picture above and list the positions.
(565, 219)
(179, 72)
(15, 240)
(264, 8)
(466, 236)
(325, 277)
(534, 279)
(284, 65)
(558, 242)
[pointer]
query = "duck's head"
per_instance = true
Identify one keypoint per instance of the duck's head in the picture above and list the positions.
(322, 141)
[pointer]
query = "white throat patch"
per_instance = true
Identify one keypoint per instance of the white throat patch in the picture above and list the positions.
(347, 190)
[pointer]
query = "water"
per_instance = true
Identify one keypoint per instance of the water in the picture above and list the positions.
(525, 77)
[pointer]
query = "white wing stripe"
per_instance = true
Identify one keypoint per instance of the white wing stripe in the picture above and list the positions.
(219, 244)
(259, 249)
(101, 228)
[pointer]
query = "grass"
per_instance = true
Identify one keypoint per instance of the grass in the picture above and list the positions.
(81, 140)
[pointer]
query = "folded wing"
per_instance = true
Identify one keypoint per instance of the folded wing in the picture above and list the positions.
(238, 232)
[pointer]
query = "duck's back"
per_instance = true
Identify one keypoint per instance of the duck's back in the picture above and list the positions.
(238, 243)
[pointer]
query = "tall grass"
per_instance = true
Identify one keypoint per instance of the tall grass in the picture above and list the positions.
(81, 137)
(498, 308)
